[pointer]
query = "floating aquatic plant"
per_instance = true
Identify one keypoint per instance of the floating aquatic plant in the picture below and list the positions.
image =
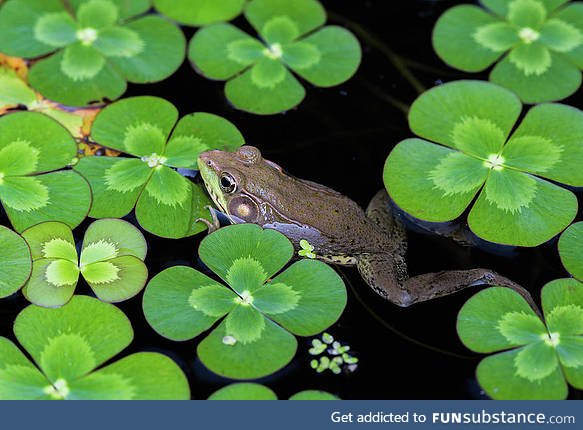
(68, 345)
(540, 356)
(33, 187)
(509, 182)
(259, 73)
(111, 261)
(145, 128)
(331, 355)
(539, 42)
(252, 391)
(260, 311)
(16, 262)
(200, 12)
(89, 49)
(571, 250)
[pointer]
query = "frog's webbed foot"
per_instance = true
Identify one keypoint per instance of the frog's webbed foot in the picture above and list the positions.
(213, 225)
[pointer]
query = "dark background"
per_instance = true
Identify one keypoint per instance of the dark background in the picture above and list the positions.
(341, 137)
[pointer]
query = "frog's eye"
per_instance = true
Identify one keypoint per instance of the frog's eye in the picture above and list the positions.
(228, 183)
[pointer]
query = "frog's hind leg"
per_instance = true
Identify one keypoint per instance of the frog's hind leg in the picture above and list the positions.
(380, 211)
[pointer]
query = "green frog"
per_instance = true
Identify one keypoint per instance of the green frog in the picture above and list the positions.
(250, 189)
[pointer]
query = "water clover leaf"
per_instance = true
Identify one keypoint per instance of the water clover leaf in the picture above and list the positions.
(571, 251)
(111, 261)
(90, 49)
(538, 356)
(68, 345)
(253, 391)
(260, 312)
(16, 262)
(146, 129)
(200, 12)
(33, 189)
(543, 41)
(259, 73)
(510, 181)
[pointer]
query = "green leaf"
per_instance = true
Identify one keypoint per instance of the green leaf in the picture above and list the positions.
(119, 42)
(501, 6)
(164, 48)
(560, 80)
(51, 240)
(549, 210)
(495, 319)
(13, 90)
(16, 264)
(532, 59)
(566, 320)
(97, 14)
(459, 38)
(246, 274)
(81, 62)
(307, 15)
(18, 158)
(238, 360)
(126, 8)
(273, 96)
(221, 249)
(418, 171)
(313, 395)
(536, 361)
(499, 378)
(124, 125)
(168, 303)
(570, 350)
(141, 376)
(213, 300)
(60, 207)
(497, 36)
(127, 239)
(19, 378)
(273, 299)
(243, 391)
(123, 278)
(562, 293)
(245, 324)
(200, 12)
(526, 13)
(280, 29)
(436, 113)
(52, 282)
(48, 78)
(127, 175)
(574, 376)
(221, 51)
(571, 251)
(573, 14)
(106, 332)
(329, 57)
(55, 29)
(17, 23)
(321, 294)
(24, 194)
(199, 132)
(478, 137)
(561, 129)
(66, 356)
(561, 36)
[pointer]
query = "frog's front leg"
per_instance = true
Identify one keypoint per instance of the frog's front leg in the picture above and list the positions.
(212, 225)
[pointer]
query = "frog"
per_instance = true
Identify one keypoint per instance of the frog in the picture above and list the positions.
(248, 188)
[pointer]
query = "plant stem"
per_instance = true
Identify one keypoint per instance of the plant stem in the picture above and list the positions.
(383, 48)
(379, 93)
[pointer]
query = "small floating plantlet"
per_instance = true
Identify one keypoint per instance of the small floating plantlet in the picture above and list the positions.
(69, 345)
(469, 160)
(34, 150)
(200, 12)
(259, 73)
(16, 262)
(539, 42)
(252, 391)
(111, 261)
(331, 355)
(88, 50)
(258, 314)
(147, 129)
(306, 250)
(539, 357)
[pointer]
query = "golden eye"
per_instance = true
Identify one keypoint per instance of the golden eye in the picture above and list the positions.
(228, 183)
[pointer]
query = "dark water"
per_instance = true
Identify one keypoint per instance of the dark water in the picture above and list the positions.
(340, 137)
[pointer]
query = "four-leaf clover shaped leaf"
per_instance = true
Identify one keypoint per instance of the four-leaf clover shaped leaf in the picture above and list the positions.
(111, 261)
(258, 72)
(33, 187)
(540, 356)
(16, 262)
(166, 203)
(90, 48)
(259, 312)
(68, 345)
(473, 162)
(540, 43)
(200, 12)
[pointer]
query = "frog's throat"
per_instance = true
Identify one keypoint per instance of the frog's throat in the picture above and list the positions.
(211, 182)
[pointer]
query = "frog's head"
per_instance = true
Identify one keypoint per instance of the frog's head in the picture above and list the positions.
(239, 182)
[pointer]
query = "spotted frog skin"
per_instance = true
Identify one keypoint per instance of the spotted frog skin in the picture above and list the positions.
(249, 189)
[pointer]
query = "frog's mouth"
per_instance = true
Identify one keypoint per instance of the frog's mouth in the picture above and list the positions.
(211, 182)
